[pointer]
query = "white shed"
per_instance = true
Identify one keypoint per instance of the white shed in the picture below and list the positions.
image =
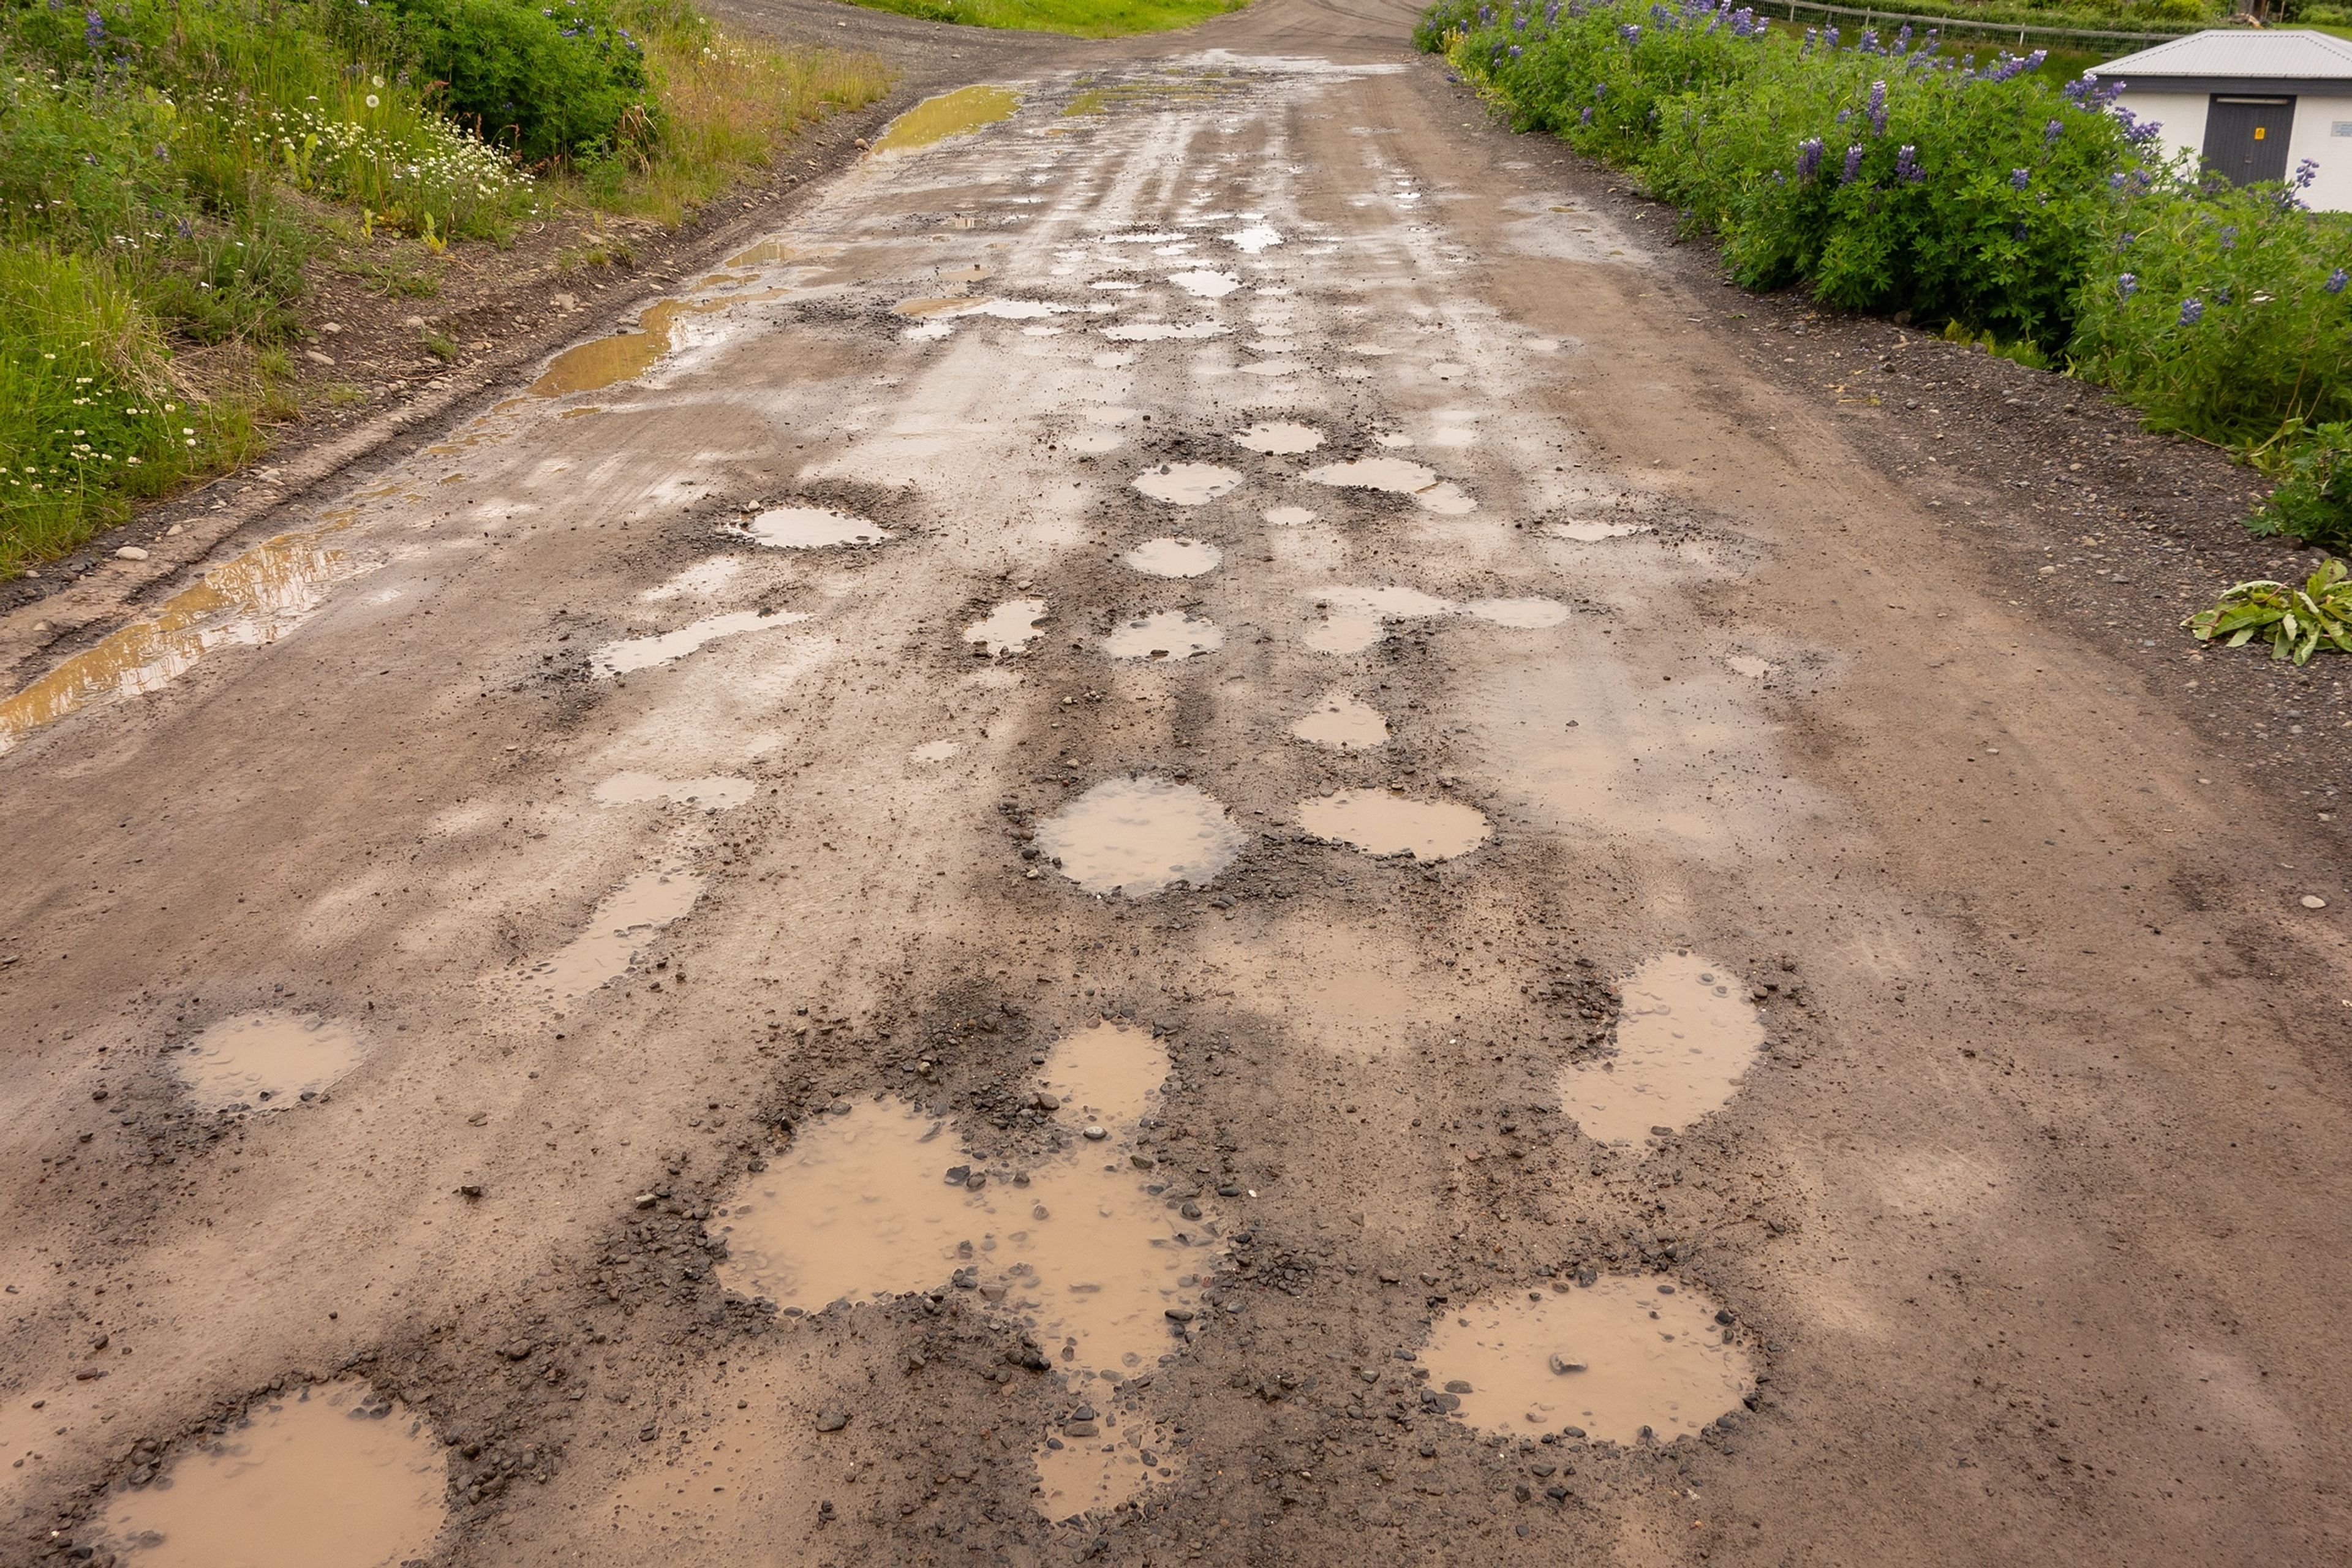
(2252, 104)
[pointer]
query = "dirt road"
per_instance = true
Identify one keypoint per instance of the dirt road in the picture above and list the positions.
(1207, 829)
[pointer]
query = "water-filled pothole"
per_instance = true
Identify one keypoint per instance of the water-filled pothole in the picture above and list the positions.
(1623, 1356)
(716, 792)
(1585, 532)
(1166, 634)
(1187, 484)
(1206, 283)
(1340, 720)
(808, 528)
(1137, 836)
(1380, 823)
(1009, 627)
(1394, 475)
(618, 926)
(631, 654)
(267, 1061)
(1686, 1034)
(1164, 331)
(1353, 619)
(1174, 557)
(1280, 438)
(328, 1477)
(957, 114)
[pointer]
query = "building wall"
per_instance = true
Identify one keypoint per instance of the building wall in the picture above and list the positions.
(2182, 115)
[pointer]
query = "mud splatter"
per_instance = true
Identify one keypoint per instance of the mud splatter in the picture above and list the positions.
(643, 653)
(620, 925)
(1280, 438)
(1340, 720)
(1622, 1359)
(1137, 836)
(1686, 1035)
(1168, 634)
(808, 528)
(1174, 557)
(716, 792)
(1380, 823)
(1010, 627)
(957, 114)
(267, 1061)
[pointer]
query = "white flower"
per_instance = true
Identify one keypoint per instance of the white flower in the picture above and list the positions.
(372, 100)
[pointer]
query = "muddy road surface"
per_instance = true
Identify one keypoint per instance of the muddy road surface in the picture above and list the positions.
(1200, 831)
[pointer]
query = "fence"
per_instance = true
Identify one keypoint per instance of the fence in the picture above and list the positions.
(2026, 32)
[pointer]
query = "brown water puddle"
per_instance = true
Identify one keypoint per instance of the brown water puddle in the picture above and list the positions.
(1174, 557)
(809, 528)
(592, 366)
(716, 792)
(1187, 484)
(1166, 634)
(957, 114)
(1380, 823)
(1010, 627)
(331, 1476)
(266, 1061)
(1686, 1035)
(1279, 440)
(621, 924)
(1339, 720)
(1623, 1355)
(252, 600)
(1353, 619)
(1137, 836)
(633, 654)
(1395, 476)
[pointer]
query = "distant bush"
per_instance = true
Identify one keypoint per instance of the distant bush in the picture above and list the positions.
(540, 80)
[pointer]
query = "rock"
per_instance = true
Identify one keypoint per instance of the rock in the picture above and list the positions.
(1095, 1133)
(956, 1175)
(1083, 1413)
(315, 357)
(1141, 1161)
(1180, 1314)
(2310, 900)
(1458, 1385)
(130, 553)
(830, 1420)
(518, 1351)
(645, 1200)
(1082, 1429)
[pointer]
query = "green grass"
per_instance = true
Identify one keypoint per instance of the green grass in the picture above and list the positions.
(1084, 18)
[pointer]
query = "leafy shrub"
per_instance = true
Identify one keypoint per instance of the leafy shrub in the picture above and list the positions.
(2311, 498)
(2297, 621)
(544, 81)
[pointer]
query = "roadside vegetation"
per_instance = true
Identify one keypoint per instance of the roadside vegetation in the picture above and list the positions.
(173, 171)
(1896, 176)
(1084, 18)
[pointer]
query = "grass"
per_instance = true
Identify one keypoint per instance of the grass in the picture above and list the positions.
(1083, 18)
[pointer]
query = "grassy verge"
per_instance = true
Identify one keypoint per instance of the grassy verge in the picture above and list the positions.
(1885, 174)
(1084, 18)
(174, 172)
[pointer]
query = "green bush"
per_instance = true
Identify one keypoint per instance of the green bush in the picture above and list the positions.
(2311, 498)
(544, 81)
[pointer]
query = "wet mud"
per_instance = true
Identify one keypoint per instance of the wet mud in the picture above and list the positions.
(1687, 1036)
(267, 1061)
(1138, 836)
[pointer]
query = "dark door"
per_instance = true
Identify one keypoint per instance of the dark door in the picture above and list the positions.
(2246, 138)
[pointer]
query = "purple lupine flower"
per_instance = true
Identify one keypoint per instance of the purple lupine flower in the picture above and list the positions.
(1486, 16)
(1843, 115)
(1600, 91)
(2115, 181)
(1585, 117)
(1829, 37)
(1808, 158)
(1907, 164)
(1813, 37)
(2229, 237)
(1903, 37)
(2337, 279)
(2127, 285)
(1551, 14)
(1869, 44)
(1877, 110)
(2304, 173)
(1630, 32)
(2050, 132)
(93, 32)
(2018, 178)
(1515, 51)
(1852, 165)
(1518, 23)
(2190, 310)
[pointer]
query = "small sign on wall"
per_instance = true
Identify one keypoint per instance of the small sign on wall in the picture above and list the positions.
(2341, 128)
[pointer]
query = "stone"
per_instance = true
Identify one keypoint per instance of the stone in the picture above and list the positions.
(2310, 900)
(830, 1420)
(130, 553)
(1095, 1133)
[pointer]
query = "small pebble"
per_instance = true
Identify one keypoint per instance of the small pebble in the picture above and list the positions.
(830, 1420)
(1096, 1134)
(2314, 901)
(130, 553)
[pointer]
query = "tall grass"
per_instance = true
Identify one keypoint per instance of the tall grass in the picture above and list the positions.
(1084, 18)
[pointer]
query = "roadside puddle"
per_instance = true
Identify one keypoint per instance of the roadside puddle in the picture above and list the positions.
(1340, 720)
(1187, 484)
(250, 601)
(330, 1477)
(807, 528)
(1280, 438)
(1174, 558)
(1380, 823)
(266, 1061)
(1137, 836)
(625, 356)
(1168, 634)
(1394, 475)
(1353, 619)
(1206, 284)
(1010, 627)
(621, 924)
(957, 114)
(1686, 1034)
(1287, 516)
(631, 654)
(1625, 1355)
(718, 793)
(1255, 238)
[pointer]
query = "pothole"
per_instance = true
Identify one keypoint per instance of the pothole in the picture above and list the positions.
(1287, 516)
(1340, 720)
(1137, 836)
(632, 654)
(1594, 533)
(329, 1476)
(1686, 1034)
(1206, 284)
(1395, 476)
(267, 1061)
(716, 792)
(957, 114)
(1521, 614)
(619, 925)
(1164, 332)
(1174, 557)
(1624, 1357)
(1187, 484)
(1009, 627)
(1354, 618)
(1255, 238)
(1380, 823)
(1281, 439)
(1748, 665)
(807, 528)
(1166, 634)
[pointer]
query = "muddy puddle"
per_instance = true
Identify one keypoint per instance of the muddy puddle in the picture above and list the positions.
(1748, 665)
(1174, 558)
(1187, 484)
(623, 922)
(1625, 1356)
(1353, 619)
(1137, 836)
(1256, 238)
(266, 1061)
(1204, 284)
(1594, 533)
(716, 792)
(632, 654)
(625, 356)
(1339, 720)
(1010, 627)
(1287, 516)
(328, 1477)
(1166, 635)
(1280, 438)
(1686, 1035)
(1520, 615)
(1380, 823)
(808, 528)
(957, 114)
(1395, 476)
(250, 601)
(1164, 331)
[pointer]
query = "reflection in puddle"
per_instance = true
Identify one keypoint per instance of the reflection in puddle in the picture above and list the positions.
(767, 253)
(1079, 1474)
(1684, 1036)
(1170, 634)
(1339, 720)
(1009, 627)
(1187, 484)
(1137, 836)
(718, 792)
(1280, 439)
(1523, 614)
(1174, 557)
(1594, 533)
(1380, 823)
(332, 1477)
(644, 652)
(1206, 284)
(1625, 1354)
(621, 924)
(808, 528)
(957, 114)
(592, 366)
(267, 1061)
(1396, 477)
(252, 600)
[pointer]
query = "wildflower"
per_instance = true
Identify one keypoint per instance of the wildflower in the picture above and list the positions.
(2304, 173)
(2050, 132)
(2127, 285)
(2116, 179)
(1829, 37)
(1869, 44)
(1808, 158)
(1852, 165)
(1877, 110)
(1586, 118)
(1907, 164)
(1515, 51)
(2336, 280)
(2190, 310)
(2229, 237)
(93, 31)
(2018, 178)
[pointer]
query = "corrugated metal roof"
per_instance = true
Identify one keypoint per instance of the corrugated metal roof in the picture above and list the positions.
(2281, 53)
